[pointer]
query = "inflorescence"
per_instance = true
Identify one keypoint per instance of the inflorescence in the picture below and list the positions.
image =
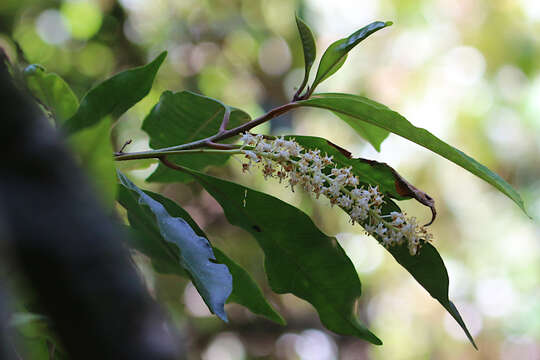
(318, 174)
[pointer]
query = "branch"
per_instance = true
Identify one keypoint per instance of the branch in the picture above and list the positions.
(210, 141)
(160, 154)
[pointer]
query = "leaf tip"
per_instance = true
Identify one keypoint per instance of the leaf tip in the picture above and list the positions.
(223, 316)
(162, 55)
(388, 23)
(158, 61)
(375, 340)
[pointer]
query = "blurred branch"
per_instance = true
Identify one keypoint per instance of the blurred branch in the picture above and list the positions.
(68, 249)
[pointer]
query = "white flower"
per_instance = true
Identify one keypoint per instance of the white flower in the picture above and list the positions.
(381, 229)
(252, 156)
(263, 146)
(319, 175)
(333, 190)
(370, 229)
(378, 200)
(359, 214)
(247, 139)
(345, 201)
(327, 160)
(353, 180)
(360, 194)
(284, 155)
(279, 142)
(373, 191)
(398, 219)
(318, 178)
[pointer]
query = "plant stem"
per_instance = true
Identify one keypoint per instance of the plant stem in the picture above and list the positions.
(157, 154)
(210, 141)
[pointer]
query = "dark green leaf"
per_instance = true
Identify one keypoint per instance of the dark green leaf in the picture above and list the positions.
(193, 252)
(245, 291)
(369, 111)
(52, 91)
(184, 117)
(428, 268)
(115, 95)
(299, 258)
(334, 57)
(93, 148)
(309, 48)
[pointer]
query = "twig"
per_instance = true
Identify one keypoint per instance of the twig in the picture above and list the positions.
(214, 145)
(171, 165)
(153, 154)
(210, 141)
(124, 146)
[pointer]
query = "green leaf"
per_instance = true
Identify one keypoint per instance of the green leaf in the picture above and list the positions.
(309, 48)
(115, 95)
(373, 134)
(299, 258)
(193, 252)
(369, 111)
(184, 117)
(334, 57)
(329, 64)
(245, 291)
(94, 150)
(428, 268)
(148, 240)
(52, 91)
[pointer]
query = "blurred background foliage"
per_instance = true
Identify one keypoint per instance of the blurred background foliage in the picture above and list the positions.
(467, 70)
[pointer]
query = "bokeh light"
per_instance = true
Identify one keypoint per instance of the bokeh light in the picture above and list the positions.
(83, 18)
(52, 27)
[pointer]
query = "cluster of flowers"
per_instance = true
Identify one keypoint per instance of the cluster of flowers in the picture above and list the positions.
(318, 174)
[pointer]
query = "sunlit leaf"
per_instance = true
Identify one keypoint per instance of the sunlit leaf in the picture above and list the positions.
(176, 238)
(334, 57)
(372, 134)
(183, 117)
(299, 258)
(371, 112)
(52, 92)
(115, 95)
(245, 291)
(93, 149)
